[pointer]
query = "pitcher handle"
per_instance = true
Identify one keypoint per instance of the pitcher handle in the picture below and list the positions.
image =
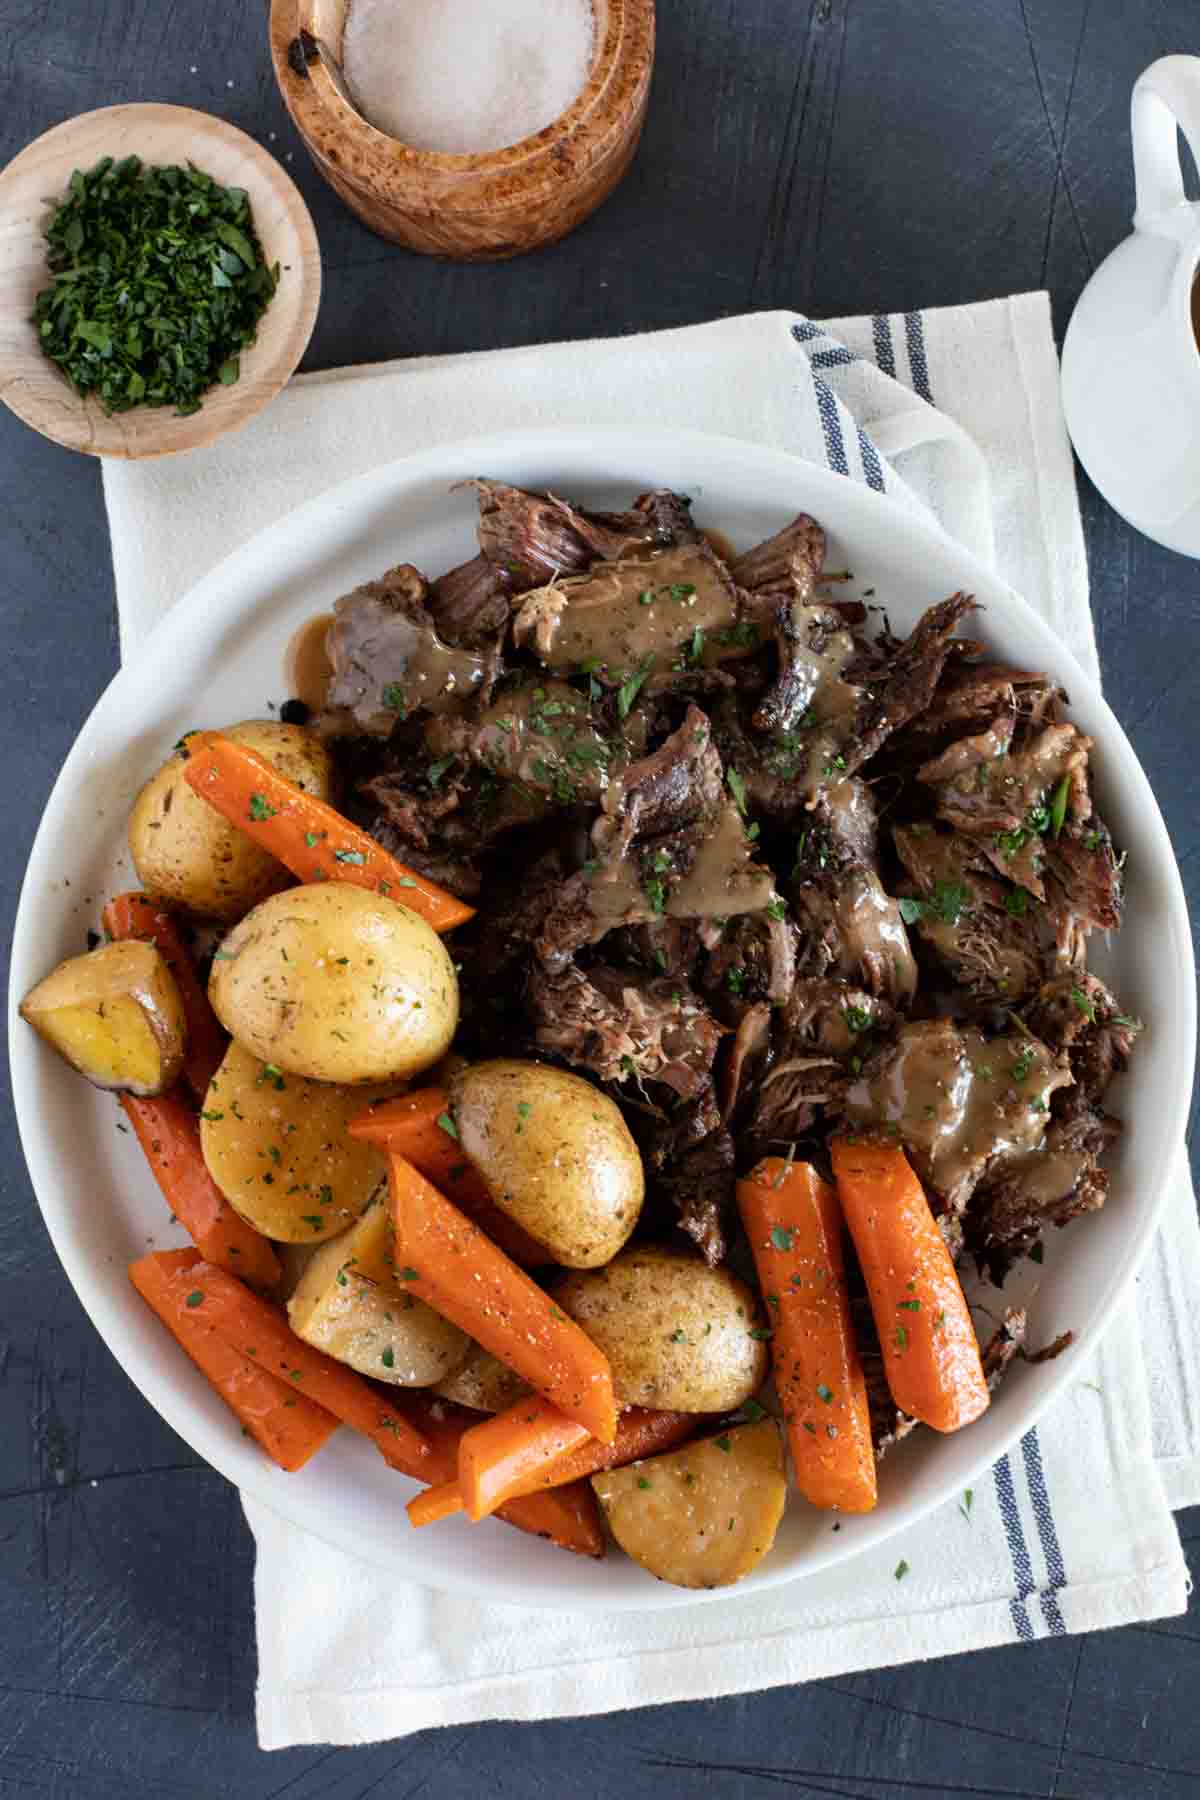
(1165, 96)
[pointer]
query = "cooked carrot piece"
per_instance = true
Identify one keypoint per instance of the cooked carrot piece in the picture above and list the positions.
(308, 837)
(290, 1427)
(794, 1225)
(444, 1259)
(410, 1126)
(258, 1329)
(136, 915)
(169, 1133)
(499, 1456)
(569, 1515)
(930, 1351)
(640, 1432)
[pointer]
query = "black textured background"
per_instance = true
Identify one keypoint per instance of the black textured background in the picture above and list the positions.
(831, 155)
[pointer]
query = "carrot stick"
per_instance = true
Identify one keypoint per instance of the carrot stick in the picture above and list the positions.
(497, 1457)
(259, 1330)
(289, 1426)
(309, 837)
(168, 1132)
(409, 1126)
(930, 1351)
(640, 1433)
(138, 916)
(794, 1225)
(446, 1260)
(569, 1515)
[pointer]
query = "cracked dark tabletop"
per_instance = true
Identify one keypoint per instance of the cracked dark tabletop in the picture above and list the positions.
(835, 156)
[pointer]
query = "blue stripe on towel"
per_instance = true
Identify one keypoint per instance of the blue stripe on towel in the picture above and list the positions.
(1022, 1567)
(872, 467)
(1039, 1494)
(914, 332)
(831, 424)
(881, 331)
(832, 359)
(804, 331)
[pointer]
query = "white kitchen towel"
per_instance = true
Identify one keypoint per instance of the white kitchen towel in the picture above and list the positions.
(956, 412)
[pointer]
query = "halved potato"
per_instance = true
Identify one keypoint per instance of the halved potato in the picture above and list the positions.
(680, 1337)
(338, 984)
(484, 1383)
(187, 853)
(116, 1015)
(277, 1147)
(703, 1516)
(350, 1304)
(556, 1154)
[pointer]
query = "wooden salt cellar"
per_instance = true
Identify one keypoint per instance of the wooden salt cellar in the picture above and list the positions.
(476, 208)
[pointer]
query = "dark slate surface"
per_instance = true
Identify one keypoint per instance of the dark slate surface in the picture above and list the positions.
(831, 155)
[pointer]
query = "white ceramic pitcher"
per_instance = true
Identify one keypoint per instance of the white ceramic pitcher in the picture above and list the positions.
(1131, 361)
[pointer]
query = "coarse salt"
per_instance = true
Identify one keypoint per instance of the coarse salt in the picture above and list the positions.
(466, 76)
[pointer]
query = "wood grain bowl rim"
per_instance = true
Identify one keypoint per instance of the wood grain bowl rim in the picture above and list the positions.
(33, 387)
(513, 177)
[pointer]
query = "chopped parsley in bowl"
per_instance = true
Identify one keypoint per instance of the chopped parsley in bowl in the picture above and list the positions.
(158, 284)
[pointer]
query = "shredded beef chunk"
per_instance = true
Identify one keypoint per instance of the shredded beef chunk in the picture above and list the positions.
(470, 604)
(963, 1105)
(981, 930)
(699, 1185)
(532, 538)
(1005, 1343)
(1077, 1014)
(618, 1024)
(1057, 1183)
(640, 619)
(787, 563)
(888, 1424)
(388, 661)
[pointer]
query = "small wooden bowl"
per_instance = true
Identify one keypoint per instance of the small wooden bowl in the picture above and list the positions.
(474, 208)
(35, 388)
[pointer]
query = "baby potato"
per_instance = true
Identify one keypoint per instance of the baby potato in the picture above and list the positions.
(484, 1383)
(277, 1147)
(703, 1516)
(350, 1304)
(115, 1014)
(555, 1153)
(186, 853)
(680, 1337)
(337, 984)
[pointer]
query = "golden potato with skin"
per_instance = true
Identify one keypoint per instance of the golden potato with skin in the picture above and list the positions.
(680, 1337)
(115, 1014)
(350, 1303)
(556, 1155)
(277, 1147)
(703, 1516)
(337, 984)
(185, 852)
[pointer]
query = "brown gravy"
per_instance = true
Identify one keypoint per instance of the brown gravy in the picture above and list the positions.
(306, 666)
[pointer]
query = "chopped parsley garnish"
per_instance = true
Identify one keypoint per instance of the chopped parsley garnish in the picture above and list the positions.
(724, 1444)
(408, 1274)
(349, 856)
(393, 699)
(1058, 806)
(157, 284)
(1025, 1061)
(966, 1503)
(901, 1338)
(272, 1073)
(1017, 903)
(261, 808)
(901, 1570)
(776, 909)
(909, 1305)
(857, 1018)
(1082, 1004)
(737, 788)
(783, 1236)
(388, 1358)
(642, 1482)
(735, 981)
(632, 686)
(436, 770)
(195, 1298)
(656, 893)
(448, 1126)
(824, 1393)
(315, 1220)
(948, 903)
